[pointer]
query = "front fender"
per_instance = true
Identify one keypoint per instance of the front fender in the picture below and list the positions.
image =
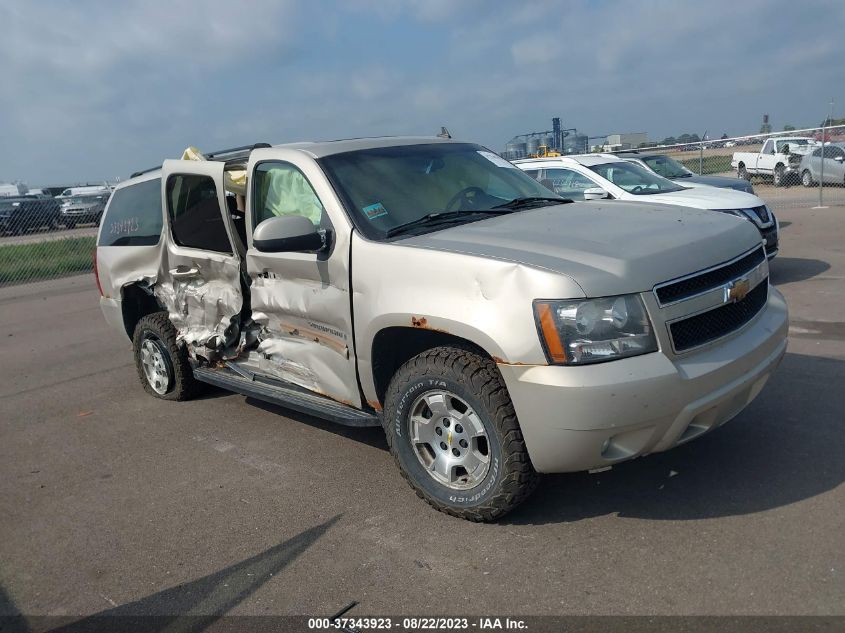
(482, 300)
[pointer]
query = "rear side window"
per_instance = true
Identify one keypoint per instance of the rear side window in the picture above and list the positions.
(134, 216)
(195, 215)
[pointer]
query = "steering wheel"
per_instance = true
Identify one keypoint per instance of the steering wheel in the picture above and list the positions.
(637, 189)
(463, 196)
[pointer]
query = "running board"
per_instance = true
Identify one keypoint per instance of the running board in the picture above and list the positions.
(288, 397)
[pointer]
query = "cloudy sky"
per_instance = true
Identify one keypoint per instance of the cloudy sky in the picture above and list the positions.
(93, 90)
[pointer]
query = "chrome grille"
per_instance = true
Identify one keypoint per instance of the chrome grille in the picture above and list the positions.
(708, 326)
(691, 285)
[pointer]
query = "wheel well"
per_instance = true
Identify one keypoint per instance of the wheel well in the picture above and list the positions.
(138, 302)
(394, 346)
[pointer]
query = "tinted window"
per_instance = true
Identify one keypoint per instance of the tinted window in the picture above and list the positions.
(567, 183)
(134, 216)
(281, 189)
(195, 216)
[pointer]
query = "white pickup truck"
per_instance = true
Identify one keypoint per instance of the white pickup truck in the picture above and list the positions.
(779, 159)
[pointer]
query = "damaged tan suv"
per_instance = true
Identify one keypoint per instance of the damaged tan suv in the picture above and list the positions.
(495, 330)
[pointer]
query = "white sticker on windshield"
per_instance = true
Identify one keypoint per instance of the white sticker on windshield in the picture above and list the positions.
(497, 160)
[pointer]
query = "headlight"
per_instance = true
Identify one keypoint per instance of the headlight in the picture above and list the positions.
(583, 331)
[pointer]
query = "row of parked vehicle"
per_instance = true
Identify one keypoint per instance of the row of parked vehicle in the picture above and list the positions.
(653, 178)
(792, 159)
(497, 320)
(36, 210)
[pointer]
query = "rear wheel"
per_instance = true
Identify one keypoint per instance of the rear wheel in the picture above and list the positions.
(777, 176)
(742, 172)
(807, 178)
(162, 363)
(452, 429)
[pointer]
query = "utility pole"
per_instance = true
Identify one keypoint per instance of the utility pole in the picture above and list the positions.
(825, 123)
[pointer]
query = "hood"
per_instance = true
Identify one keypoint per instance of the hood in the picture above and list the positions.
(707, 198)
(12, 205)
(723, 182)
(608, 247)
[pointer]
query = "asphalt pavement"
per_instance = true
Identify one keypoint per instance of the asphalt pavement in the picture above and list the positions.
(112, 501)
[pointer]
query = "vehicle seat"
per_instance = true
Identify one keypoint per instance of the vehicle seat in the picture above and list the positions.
(238, 218)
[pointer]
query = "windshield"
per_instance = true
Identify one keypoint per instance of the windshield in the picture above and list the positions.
(390, 186)
(634, 179)
(667, 167)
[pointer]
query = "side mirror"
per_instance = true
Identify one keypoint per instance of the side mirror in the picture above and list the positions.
(289, 233)
(595, 193)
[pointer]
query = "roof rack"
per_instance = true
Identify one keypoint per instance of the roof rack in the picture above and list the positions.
(234, 150)
(214, 155)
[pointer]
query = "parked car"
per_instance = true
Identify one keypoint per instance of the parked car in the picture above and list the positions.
(778, 159)
(23, 213)
(83, 208)
(605, 176)
(86, 190)
(834, 165)
(427, 286)
(668, 167)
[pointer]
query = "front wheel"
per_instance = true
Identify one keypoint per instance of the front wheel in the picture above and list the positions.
(453, 431)
(777, 176)
(807, 178)
(162, 363)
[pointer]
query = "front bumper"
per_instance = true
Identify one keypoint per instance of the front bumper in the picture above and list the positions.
(80, 216)
(580, 418)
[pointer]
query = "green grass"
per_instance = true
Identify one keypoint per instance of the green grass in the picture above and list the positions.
(710, 164)
(45, 260)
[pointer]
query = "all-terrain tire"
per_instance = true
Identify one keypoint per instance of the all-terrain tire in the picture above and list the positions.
(510, 477)
(158, 331)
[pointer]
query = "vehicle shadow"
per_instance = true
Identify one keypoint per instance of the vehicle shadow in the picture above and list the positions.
(785, 447)
(785, 270)
(369, 435)
(195, 605)
(784, 224)
(211, 392)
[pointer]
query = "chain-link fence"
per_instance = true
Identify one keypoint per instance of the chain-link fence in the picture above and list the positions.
(42, 237)
(788, 170)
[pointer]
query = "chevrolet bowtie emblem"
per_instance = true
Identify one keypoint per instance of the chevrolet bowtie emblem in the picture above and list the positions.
(736, 290)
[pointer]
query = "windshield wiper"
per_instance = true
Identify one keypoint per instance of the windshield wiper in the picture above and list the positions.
(519, 203)
(440, 217)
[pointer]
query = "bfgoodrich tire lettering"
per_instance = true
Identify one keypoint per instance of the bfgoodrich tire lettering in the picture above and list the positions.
(474, 380)
(158, 329)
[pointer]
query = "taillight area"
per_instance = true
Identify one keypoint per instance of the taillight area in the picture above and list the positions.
(97, 274)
